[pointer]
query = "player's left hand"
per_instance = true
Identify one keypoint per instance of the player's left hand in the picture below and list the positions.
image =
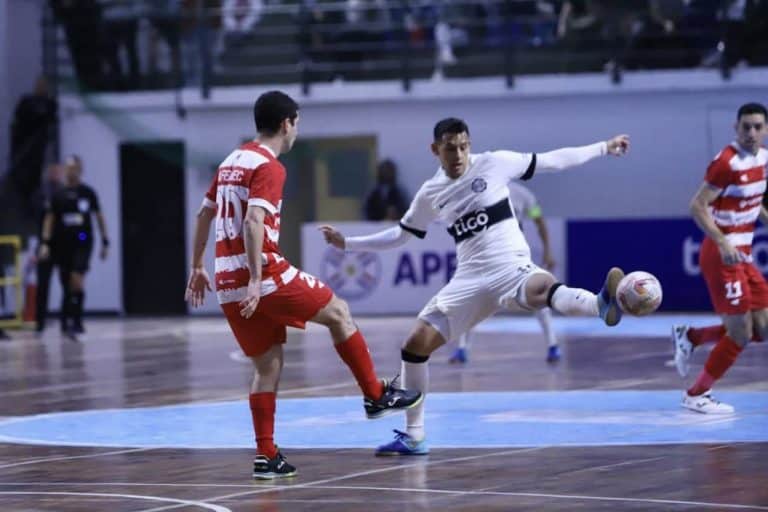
(333, 237)
(618, 146)
(104, 252)
(198, 283)
(251, 301)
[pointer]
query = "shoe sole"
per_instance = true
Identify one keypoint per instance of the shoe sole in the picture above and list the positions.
(717, 413)
(387, 412)
(613, 315)
(273, 476)
(400, 454)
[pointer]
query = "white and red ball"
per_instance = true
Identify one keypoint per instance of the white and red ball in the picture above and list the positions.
(639, 293)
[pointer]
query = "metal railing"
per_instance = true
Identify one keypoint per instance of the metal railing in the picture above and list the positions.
(158, 44)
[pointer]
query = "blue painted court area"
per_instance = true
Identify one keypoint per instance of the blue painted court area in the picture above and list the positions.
(493, 419)
(651, 326)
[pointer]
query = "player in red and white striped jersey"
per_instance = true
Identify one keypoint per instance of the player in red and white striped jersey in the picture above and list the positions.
(260, 292)
(726, 207)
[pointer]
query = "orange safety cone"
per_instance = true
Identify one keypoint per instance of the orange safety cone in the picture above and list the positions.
(29, 314)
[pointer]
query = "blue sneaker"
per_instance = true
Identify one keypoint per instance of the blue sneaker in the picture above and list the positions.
(553, 354)
(402, 445)
(607, 305)
(459, 356)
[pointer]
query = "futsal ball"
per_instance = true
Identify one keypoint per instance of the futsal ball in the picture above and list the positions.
(639, 293)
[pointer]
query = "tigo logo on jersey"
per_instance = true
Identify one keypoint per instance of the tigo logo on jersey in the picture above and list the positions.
(352, 276)
(478, 185)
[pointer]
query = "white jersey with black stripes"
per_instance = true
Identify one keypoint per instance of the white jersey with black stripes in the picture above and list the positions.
(461, 204)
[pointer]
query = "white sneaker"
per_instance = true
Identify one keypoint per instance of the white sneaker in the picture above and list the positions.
(683, 349)
(705, 403)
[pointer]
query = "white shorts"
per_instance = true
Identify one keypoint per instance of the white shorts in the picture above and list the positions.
(475, 294)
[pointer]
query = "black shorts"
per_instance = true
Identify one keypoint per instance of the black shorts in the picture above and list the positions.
(73, 257)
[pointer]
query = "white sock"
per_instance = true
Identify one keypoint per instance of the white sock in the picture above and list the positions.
(416, 378)
(545, 319)
(464, 340)
(574, 302)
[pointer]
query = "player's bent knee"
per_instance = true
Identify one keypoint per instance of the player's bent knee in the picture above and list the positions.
(336, 312)
(740, 330)
(424, 340)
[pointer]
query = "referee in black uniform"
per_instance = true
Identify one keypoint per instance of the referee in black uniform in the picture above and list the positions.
(67, 238)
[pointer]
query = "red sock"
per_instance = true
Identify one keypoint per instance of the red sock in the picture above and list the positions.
(720, 359)
(700, 335)
(354, 352)
(263, 415)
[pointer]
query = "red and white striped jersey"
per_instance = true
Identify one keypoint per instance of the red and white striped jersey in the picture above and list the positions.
(250, 175)
(740, 177)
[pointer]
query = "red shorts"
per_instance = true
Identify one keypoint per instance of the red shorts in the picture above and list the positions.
(733, 289)
(292, 305)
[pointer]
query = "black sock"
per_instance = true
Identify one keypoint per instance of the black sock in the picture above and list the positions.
(66, 310)
(77, 308)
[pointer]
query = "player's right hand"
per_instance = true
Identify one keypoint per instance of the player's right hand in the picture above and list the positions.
(43, 252)
(333, 237)
(729, 254)
(196, 286)
(618, 146)
(251, 301)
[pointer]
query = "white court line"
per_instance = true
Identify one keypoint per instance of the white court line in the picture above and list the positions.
(71, 457)
(555, 496)
(278, 488)
(608, 466)
(181, 503)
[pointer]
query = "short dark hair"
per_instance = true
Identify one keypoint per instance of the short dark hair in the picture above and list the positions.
(752, 108)
(450, 125)
(271, 109)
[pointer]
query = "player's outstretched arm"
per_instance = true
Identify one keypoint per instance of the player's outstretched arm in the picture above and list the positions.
(379, 241)
(561, 159)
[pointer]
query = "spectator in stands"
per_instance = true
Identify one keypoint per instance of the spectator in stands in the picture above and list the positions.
(239, 17)
(120, 26)
(387, 201)
(34, 120)
(745, 31)
(82, 25)
(165, 17)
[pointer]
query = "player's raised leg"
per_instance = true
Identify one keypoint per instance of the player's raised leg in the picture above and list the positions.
(381, 397)
(541, 290)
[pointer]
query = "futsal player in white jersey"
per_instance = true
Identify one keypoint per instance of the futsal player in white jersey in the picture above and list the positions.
(525, 206)
(469, 194)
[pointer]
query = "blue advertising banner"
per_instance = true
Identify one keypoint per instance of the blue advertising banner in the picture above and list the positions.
(668, 248)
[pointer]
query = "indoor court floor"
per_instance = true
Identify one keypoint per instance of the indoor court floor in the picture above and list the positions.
(152, 414)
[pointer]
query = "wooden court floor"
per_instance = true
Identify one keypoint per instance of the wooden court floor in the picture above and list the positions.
(129, 365)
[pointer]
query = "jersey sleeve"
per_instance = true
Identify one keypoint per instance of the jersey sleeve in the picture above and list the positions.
(95, 206)
(718, 173)
(265, 189)
(419, 215)
(515, 165)
(209, 200)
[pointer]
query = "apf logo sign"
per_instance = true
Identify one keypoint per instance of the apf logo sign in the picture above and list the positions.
(692, 247)
(352, 276)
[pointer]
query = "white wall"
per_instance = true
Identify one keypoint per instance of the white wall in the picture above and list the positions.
(677, 121)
